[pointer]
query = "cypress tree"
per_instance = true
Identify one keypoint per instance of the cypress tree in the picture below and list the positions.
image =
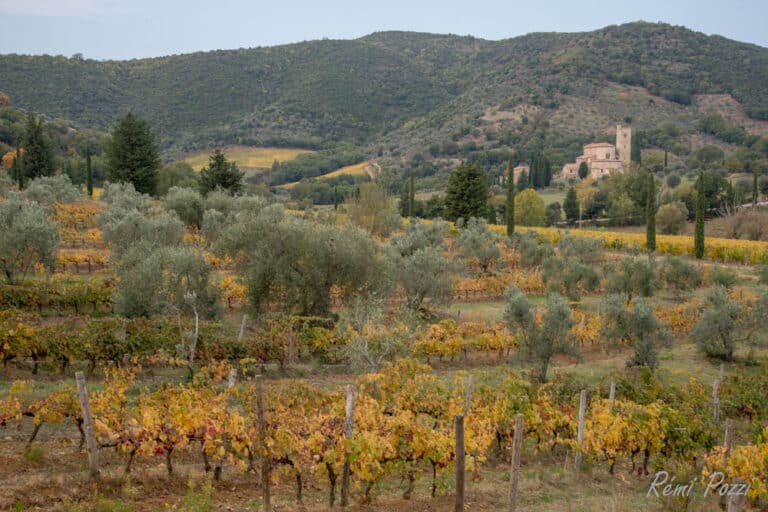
(522, 181)
(666, 159)
(38, 155)
(20, 168)
(700, 206)
(634, 154)
(411, 196)
(335, 198)
(650, 215)
(547, 172)
(15, 167)
(571, 206)
(583, 170)
(754, 187)
(88, 172)
(510, 199)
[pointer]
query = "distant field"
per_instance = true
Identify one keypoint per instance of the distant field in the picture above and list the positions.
(352, 170)
(247, 157)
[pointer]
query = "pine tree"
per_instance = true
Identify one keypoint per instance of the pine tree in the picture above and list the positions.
(132, 156)
(510, 199)
(38, 155)
(650, 215)
(220, 173)
(571, 206)
(700, 206)
(466, 194)
(88, 172)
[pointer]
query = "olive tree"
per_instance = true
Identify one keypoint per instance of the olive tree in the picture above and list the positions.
(187, 204)
(477, 242)
(637, 327)
(27, 237)
(52, 189)
(716, 331)
(543, 340)
(372, 208)
(679, 274)
(569, 276)
(631, 277)
(123, 230)
(425, 274)
(297, 262)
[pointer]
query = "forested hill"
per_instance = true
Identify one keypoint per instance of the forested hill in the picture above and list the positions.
(313, 93)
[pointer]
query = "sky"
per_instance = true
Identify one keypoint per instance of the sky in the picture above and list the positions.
(125, 29)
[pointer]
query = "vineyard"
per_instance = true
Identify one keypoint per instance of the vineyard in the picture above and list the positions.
(155, 363)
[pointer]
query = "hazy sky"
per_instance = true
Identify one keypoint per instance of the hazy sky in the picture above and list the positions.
(119, 29)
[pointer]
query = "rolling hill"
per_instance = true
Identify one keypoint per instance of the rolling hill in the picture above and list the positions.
(396, 94)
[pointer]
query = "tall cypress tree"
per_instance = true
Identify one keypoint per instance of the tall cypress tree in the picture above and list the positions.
(754, 185)
(411, 196)
(634, 153)
(698, 240)
(650, 215)
(510, 199)
(88, 171)
(38, 155)
(20, 168)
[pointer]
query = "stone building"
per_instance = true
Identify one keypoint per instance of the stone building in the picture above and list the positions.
(602, 157)
(516, 172)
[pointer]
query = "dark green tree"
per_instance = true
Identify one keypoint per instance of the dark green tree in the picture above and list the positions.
(523, 181)
(700, 207)
(583, 170)
(88, 172)
(571, 206)
(411, 196)
(132, 156)
(220, 173)
(634, 153)
(510, 207)
(466, 194)
(650, 215)
(38, 155)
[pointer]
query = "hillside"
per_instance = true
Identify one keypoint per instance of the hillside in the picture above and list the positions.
(397, 93)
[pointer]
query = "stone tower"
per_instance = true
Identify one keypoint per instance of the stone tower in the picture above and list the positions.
(623, 143)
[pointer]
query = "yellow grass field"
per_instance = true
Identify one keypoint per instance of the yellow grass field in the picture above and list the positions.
(247, 157)
(352, 170)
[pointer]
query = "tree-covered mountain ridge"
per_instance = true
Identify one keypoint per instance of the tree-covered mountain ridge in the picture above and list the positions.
(391, 87)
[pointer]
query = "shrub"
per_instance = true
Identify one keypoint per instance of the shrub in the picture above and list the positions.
(671, 218)
(679, 274)
(721, 276)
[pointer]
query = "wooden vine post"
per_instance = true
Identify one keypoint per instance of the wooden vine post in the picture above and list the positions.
(260, 418)
(459, 507)
(468, 399)
(716, 400)
(514, 470)
(90, 439)
(349, 428)
(580, 433)
(612, 394)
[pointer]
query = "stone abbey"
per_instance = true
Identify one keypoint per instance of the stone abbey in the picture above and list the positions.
(603, 157)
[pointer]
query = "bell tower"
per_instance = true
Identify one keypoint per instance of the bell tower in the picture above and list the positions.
(623, 143)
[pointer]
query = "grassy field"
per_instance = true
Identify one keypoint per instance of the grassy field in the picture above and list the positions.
(351, 170)
(247, 157)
